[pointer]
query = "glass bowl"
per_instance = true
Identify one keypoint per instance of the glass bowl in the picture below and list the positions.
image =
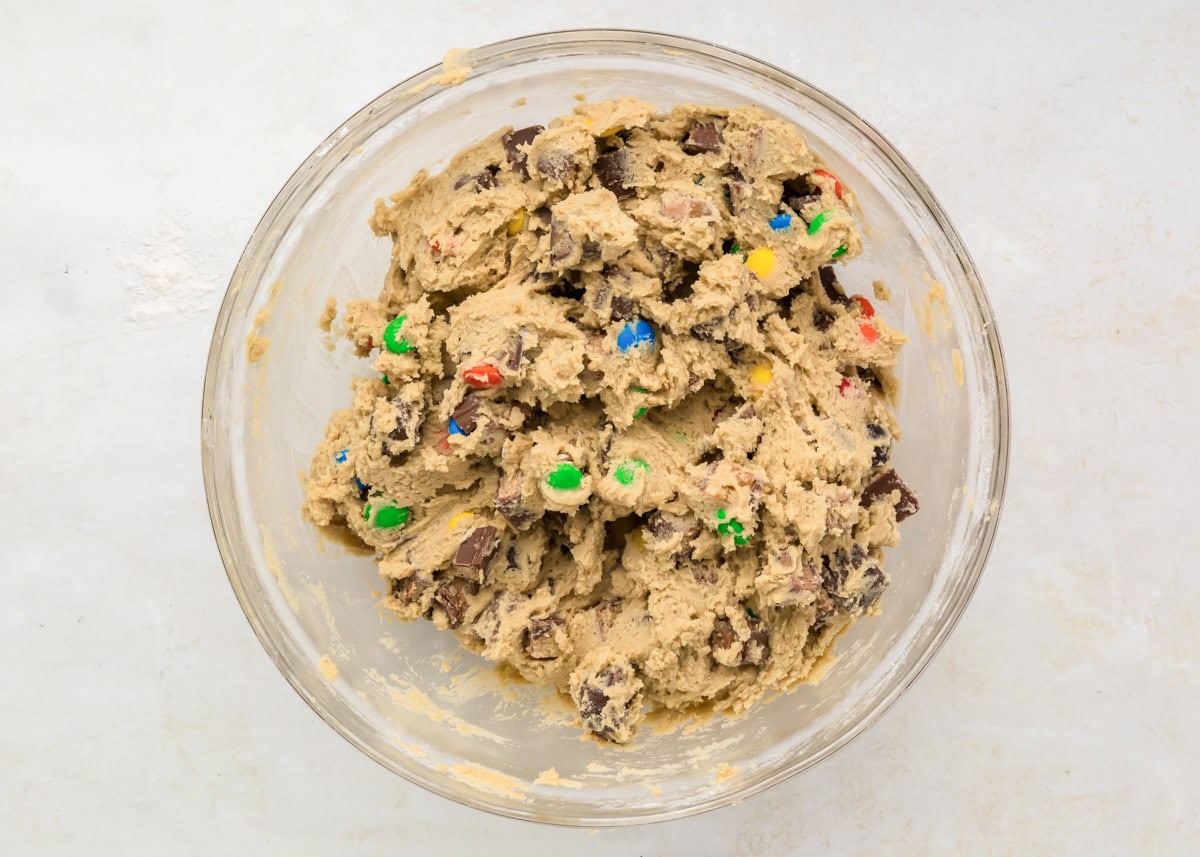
(406, 694)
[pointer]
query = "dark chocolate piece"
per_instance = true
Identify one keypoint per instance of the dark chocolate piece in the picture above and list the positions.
(452, 596)
(880, 455)
(477, 549)
(797, 203)
(561, 242)
(601, 713)
(737, 191)
(703, 137)
(559, 166)
(513, 143)
(410, 589)
(516, 350)
(822, 320)
(467, 412)
(751, 652)
(883, 486)
(591, 252)
(403, 416)
(483, 180)
(612, 169)
(622, 308)
(874, 582)
(510, 503)
(833, 289)
(540, 642)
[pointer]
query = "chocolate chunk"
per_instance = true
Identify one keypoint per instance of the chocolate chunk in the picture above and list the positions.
(403, 416)
(539, 638)
(487, 624)
(874, 582)
(600, 702)
(883, 486)
(612, 169)
(623, 309)
(591, 252)
(600, 298)
(453, 597)
(559, 166)
(510, 502)
(477, 549)
(833, 289)
(516, 350)
(880, 455)
(733, 651)
(410, 589)
(822, 320)
(562, 245)
(737, 190)
(513, 142)
(660, 525)
(875, 431)
(665, 527)
(467, 412)
(703, 137)
(797, 203)
(483, 180)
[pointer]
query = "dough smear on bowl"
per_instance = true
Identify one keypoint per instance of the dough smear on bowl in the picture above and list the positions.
(627, 433)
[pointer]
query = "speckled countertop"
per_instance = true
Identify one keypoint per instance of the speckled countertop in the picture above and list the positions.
(142, 142)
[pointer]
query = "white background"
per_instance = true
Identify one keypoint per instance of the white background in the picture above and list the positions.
(139, 144)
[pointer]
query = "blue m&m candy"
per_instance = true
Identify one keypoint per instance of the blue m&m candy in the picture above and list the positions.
(780, 221)
(455, 428)
(340, 457)
(636, 334)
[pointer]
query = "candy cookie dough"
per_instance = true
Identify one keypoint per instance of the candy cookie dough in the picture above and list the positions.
(627, 433)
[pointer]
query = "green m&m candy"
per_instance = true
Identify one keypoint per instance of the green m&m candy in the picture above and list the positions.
(392, 339)
(627, 470)
(565, 477)
(388, 517)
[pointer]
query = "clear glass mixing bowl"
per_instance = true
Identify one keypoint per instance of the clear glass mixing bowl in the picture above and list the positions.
(405, 694)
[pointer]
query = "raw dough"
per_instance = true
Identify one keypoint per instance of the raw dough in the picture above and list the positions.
(628, 434)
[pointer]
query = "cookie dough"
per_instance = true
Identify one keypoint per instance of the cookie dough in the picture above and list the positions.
(627, 434)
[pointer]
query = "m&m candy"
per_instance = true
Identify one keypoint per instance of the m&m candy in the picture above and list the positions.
(565, 477)
(761, 261)
(627, 470)
(485, 376)
(392, 339)
(636, 334)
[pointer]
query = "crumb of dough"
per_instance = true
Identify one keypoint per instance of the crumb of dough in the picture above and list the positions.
(256, 347)
(550, 777)
(328, 668)
(256, 343)
(957, 360)
(325, 322)
(881, 290)
(455, 71)
(520, 102)
(726, 772)
(626, 433)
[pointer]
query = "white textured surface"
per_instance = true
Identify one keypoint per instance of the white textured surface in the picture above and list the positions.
(140, 144)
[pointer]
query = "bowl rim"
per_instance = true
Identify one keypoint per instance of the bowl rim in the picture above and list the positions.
(711, 51)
